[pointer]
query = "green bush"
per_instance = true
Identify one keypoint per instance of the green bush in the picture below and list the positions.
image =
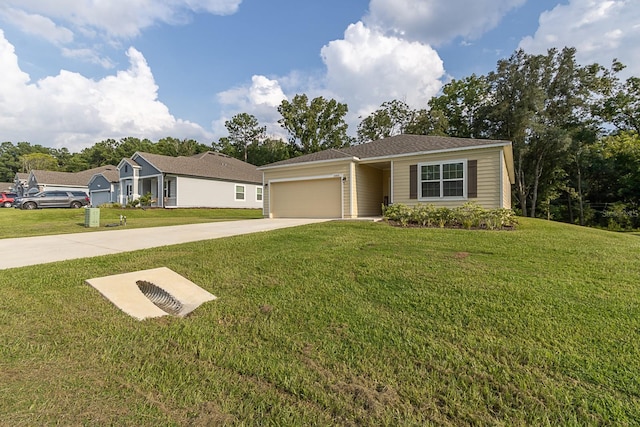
(469, 215)
(621, 217)
(145, 200)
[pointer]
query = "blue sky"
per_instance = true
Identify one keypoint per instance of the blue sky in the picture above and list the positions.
(79, 71)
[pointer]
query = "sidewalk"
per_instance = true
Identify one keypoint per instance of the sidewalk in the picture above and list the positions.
(24, 251)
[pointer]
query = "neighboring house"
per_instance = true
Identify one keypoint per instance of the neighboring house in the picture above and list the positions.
(6, 187)
(356, 181)
(104, 186)
(41, 180)
(204, 180)
(20, 183)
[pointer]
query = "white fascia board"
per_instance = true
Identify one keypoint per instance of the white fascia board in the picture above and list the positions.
(306, 178)
(317, 162)
(425, 153)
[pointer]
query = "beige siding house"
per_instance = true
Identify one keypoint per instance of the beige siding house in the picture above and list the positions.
(356, 181)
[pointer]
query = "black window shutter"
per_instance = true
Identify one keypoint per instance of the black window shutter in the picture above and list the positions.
(413, 181)
(472, 179)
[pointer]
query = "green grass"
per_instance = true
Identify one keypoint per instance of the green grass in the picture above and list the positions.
(341, 323)
(19, 223)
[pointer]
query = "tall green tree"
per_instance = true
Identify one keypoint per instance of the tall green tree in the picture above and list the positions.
(244, 131)
(101, 153)
(268, 151)
(464, 104)
(541, 103)
(175, 147)
(392, 118)
(9, 161)
(39, 161)
(429, 122)
(622, 105)
(224, 146)
(622, 153)
(128, 146)
(314, 125)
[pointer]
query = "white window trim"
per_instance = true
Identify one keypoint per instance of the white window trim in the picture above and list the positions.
(261, 190)
(442, 197)
(244, 193)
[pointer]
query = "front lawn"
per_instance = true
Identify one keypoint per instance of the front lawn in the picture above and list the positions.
(339, 323)
(23, 223)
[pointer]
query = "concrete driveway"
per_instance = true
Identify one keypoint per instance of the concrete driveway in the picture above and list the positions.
(24, 251)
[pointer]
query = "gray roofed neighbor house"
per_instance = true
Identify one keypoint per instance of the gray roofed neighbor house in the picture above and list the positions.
(80, 179)
(391, 147)
(206, 165)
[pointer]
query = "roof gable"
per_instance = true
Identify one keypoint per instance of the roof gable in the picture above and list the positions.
(129, 162)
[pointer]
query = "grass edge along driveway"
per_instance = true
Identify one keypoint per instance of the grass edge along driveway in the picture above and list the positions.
(19, 223)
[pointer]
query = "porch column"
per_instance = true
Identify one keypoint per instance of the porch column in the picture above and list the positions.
(160, 196)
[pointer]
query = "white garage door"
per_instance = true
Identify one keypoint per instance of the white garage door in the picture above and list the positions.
(317, 198)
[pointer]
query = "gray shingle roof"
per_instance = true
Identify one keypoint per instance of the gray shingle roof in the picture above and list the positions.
(111, 175)
(206, 165)
(80, 179)
(392, 146)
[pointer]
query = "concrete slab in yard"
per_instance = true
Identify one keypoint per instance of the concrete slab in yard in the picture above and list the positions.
(152, 293)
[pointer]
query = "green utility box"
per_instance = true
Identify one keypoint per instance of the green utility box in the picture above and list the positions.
(92, 217)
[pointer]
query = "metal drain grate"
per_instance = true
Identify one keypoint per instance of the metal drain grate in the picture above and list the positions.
(161, 298)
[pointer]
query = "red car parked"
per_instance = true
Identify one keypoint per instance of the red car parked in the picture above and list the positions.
(6, 199)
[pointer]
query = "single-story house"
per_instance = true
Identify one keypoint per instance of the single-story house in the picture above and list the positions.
(207, 179)
(104, 186)
(356, 181)
(40, 180)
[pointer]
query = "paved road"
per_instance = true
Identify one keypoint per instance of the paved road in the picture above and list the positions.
(24, 251)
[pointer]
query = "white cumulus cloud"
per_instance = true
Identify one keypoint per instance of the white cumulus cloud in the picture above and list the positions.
(37, 25)
(80, 27)
(437, 21)
(600, 30)
(260, 99)
(120, 18)
(72, 111)
(388, 55)
(367, 68)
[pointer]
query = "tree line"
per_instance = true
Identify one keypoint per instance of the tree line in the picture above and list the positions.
(574, 130)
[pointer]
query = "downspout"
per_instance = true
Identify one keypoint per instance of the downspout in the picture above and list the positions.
(161, 191)
(391, 185)
(501, 165)
(352, 192)
(264, 189)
